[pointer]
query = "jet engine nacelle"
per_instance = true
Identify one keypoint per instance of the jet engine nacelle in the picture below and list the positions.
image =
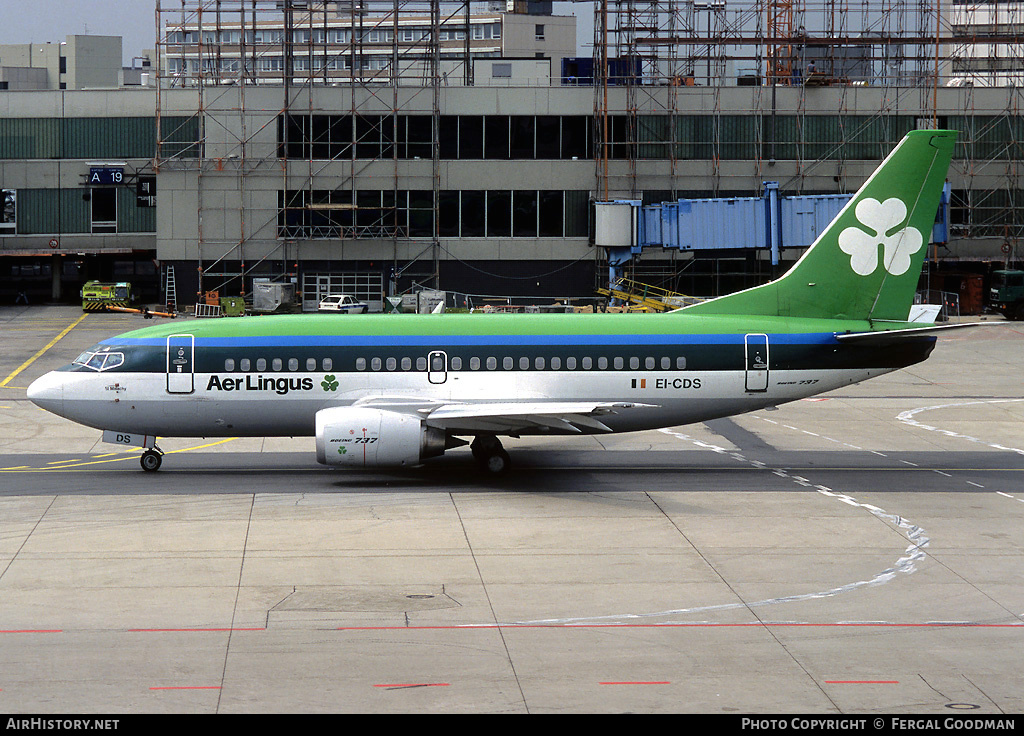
(368, 437)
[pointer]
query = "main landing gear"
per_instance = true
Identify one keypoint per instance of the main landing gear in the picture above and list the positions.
(151, 459)
(490, 455)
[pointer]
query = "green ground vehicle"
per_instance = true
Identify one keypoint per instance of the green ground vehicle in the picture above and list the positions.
(98, 295)
(1006, 294)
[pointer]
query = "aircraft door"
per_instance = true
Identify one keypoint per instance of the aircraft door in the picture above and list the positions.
(180, 360)
(756, 350)
(437, 366)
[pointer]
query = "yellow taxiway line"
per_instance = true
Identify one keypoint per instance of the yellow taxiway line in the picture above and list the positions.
(130, 455)
(54, 341)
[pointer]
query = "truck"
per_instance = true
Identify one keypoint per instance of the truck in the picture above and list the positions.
(97, 296)
(1006, 294)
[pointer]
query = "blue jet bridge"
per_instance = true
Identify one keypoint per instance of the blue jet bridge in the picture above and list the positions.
(770, 222)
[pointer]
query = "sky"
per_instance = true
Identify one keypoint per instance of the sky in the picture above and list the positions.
(39, 21)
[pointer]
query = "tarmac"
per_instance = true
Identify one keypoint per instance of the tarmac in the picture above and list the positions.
(858, 552)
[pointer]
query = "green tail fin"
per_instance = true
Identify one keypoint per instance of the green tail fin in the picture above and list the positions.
(867, 262)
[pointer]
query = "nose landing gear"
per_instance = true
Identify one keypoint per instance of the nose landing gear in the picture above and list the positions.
(151, 459)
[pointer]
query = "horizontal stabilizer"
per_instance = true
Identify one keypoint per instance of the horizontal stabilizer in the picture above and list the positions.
(897, 334)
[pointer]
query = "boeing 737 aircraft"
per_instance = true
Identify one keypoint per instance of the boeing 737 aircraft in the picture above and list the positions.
(395, 390)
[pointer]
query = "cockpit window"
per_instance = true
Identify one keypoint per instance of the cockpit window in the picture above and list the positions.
(100, 361)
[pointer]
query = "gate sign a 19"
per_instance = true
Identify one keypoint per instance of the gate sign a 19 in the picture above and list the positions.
(106, 175)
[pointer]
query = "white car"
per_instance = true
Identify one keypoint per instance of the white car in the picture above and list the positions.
(342, 303)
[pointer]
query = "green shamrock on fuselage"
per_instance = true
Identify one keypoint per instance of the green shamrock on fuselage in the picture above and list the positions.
(330, 383)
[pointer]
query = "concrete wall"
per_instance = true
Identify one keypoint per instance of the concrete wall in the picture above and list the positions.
(91, 61)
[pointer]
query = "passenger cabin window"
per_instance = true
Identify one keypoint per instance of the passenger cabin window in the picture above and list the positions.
(474, 363)
(243, 364)
(360, 364)
(456, 364)
(602, 363)
(406, 364)
(261, 364)
(328, 364)
(374, 364)
(391, 364)
(229, 364)
(556, 364)
(311, 364)
(293, 364)
(492, 363)
(570, 364)
(588, 363)
(276, 364)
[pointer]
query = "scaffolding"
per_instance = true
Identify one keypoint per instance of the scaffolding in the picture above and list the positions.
(718, 92)
(382, 60)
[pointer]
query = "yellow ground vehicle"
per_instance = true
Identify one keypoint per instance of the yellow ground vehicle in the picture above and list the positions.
(98, 295)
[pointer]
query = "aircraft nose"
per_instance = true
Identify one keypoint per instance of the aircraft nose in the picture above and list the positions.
(47, 392)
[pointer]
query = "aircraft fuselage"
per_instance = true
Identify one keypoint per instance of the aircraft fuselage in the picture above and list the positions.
(271, 377)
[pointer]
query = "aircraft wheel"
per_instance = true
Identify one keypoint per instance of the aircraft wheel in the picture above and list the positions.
(497, 463)
(151, 460)
(483, 446)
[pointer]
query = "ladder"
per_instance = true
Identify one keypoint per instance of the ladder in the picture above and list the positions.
(170, 292)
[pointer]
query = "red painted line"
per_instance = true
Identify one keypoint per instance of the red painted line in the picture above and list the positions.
(663, 682)
(415, 684)
(862, 682)
(188, 687)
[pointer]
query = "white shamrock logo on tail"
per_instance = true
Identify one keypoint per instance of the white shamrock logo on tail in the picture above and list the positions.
(879, 218)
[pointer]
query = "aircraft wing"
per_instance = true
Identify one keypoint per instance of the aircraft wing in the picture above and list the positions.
(560, 417)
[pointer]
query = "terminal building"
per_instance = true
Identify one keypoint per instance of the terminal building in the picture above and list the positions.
(371, 148)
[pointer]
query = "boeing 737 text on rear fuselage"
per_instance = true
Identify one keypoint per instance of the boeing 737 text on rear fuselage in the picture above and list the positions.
(395, 390)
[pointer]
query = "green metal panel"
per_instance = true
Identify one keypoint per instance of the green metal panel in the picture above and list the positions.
(695, 136)
(29, 138)
(52, 212)
(739, 137)
(653, 136)
(108, 137)
(986, 136)
(97, 138)
(181, 137)
(821, 135)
